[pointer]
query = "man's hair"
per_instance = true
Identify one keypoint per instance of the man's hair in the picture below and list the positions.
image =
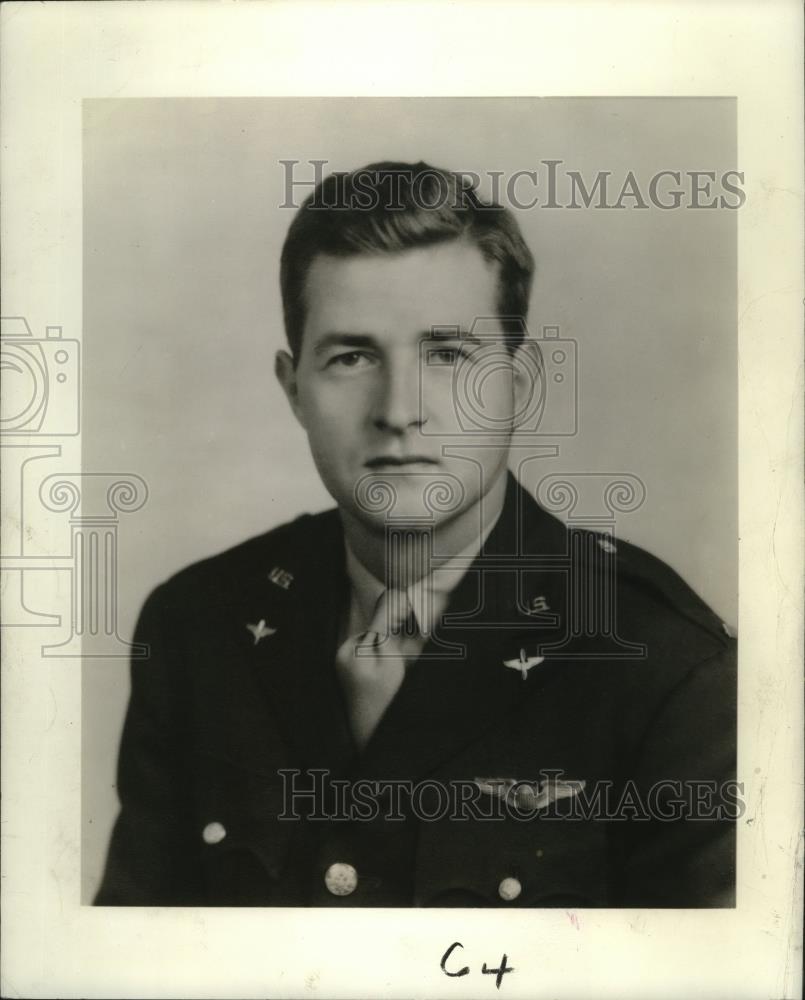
(390, 207)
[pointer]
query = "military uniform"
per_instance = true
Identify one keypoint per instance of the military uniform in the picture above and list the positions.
(240, 686)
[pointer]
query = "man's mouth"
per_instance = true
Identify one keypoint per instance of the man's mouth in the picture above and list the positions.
(398, 461)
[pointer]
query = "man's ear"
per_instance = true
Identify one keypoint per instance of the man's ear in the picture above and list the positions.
(285, 371)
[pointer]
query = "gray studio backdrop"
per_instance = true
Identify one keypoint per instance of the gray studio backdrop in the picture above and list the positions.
(182, 236)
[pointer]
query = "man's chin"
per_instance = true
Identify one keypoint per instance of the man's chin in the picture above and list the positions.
(408, 496)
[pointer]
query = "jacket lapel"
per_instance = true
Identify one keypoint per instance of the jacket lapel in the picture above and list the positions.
(296, 671)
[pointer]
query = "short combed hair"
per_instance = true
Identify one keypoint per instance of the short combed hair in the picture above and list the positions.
(391, 207)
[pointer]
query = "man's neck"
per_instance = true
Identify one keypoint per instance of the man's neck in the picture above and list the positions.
(413, 551)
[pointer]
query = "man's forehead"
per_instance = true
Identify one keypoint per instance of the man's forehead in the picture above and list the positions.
(444, 285)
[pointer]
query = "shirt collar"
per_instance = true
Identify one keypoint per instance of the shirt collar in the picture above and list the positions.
(428, 596)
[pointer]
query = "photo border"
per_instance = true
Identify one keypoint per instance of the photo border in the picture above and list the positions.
(55, 55)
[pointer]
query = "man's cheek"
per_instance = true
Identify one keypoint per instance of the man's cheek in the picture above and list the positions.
(442, 409)
(323, 414)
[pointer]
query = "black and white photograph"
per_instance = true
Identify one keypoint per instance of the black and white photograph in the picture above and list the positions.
(395, 512)
(467, 683)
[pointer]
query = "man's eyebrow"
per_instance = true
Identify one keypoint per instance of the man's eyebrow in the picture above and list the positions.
(451, 333)
(342, 339)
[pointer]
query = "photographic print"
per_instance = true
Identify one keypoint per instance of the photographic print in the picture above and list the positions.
(466, 683)
(401, 445)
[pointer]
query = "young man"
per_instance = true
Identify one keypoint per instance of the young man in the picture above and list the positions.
(410, 700)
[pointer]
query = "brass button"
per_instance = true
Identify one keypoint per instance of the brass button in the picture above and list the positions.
(341, 879)
(213, 833)
(509, 889)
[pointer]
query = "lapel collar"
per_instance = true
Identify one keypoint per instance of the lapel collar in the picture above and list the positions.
(448, 701)
(296, 669)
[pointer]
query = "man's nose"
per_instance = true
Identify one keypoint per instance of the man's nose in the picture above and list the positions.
(398, 405)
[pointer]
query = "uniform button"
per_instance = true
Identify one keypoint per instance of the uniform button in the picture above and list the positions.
(213, 833)
(509, 889)
(341, 879)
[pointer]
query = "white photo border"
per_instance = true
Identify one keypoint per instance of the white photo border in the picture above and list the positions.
(55, 55)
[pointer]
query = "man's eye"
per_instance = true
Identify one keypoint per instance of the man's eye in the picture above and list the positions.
(443, 356)
(449, 355)
(349, 359)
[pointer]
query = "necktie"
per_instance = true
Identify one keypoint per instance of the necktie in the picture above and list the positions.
(371, 666)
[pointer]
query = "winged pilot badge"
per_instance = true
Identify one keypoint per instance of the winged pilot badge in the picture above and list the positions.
(260, 630)
(530, 796)
(524, 663)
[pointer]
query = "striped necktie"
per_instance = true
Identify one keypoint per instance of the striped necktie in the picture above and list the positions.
(371, 666)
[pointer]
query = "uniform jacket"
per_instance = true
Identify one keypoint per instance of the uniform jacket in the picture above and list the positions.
(222, 725)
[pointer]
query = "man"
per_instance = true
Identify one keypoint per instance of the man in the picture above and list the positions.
(410, 700)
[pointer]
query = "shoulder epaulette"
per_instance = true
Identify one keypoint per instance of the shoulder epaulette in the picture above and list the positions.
(640, 568)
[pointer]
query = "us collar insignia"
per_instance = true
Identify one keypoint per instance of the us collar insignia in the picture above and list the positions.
(537, 606)
(281, 577)
(524, 663)
(260, 630)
